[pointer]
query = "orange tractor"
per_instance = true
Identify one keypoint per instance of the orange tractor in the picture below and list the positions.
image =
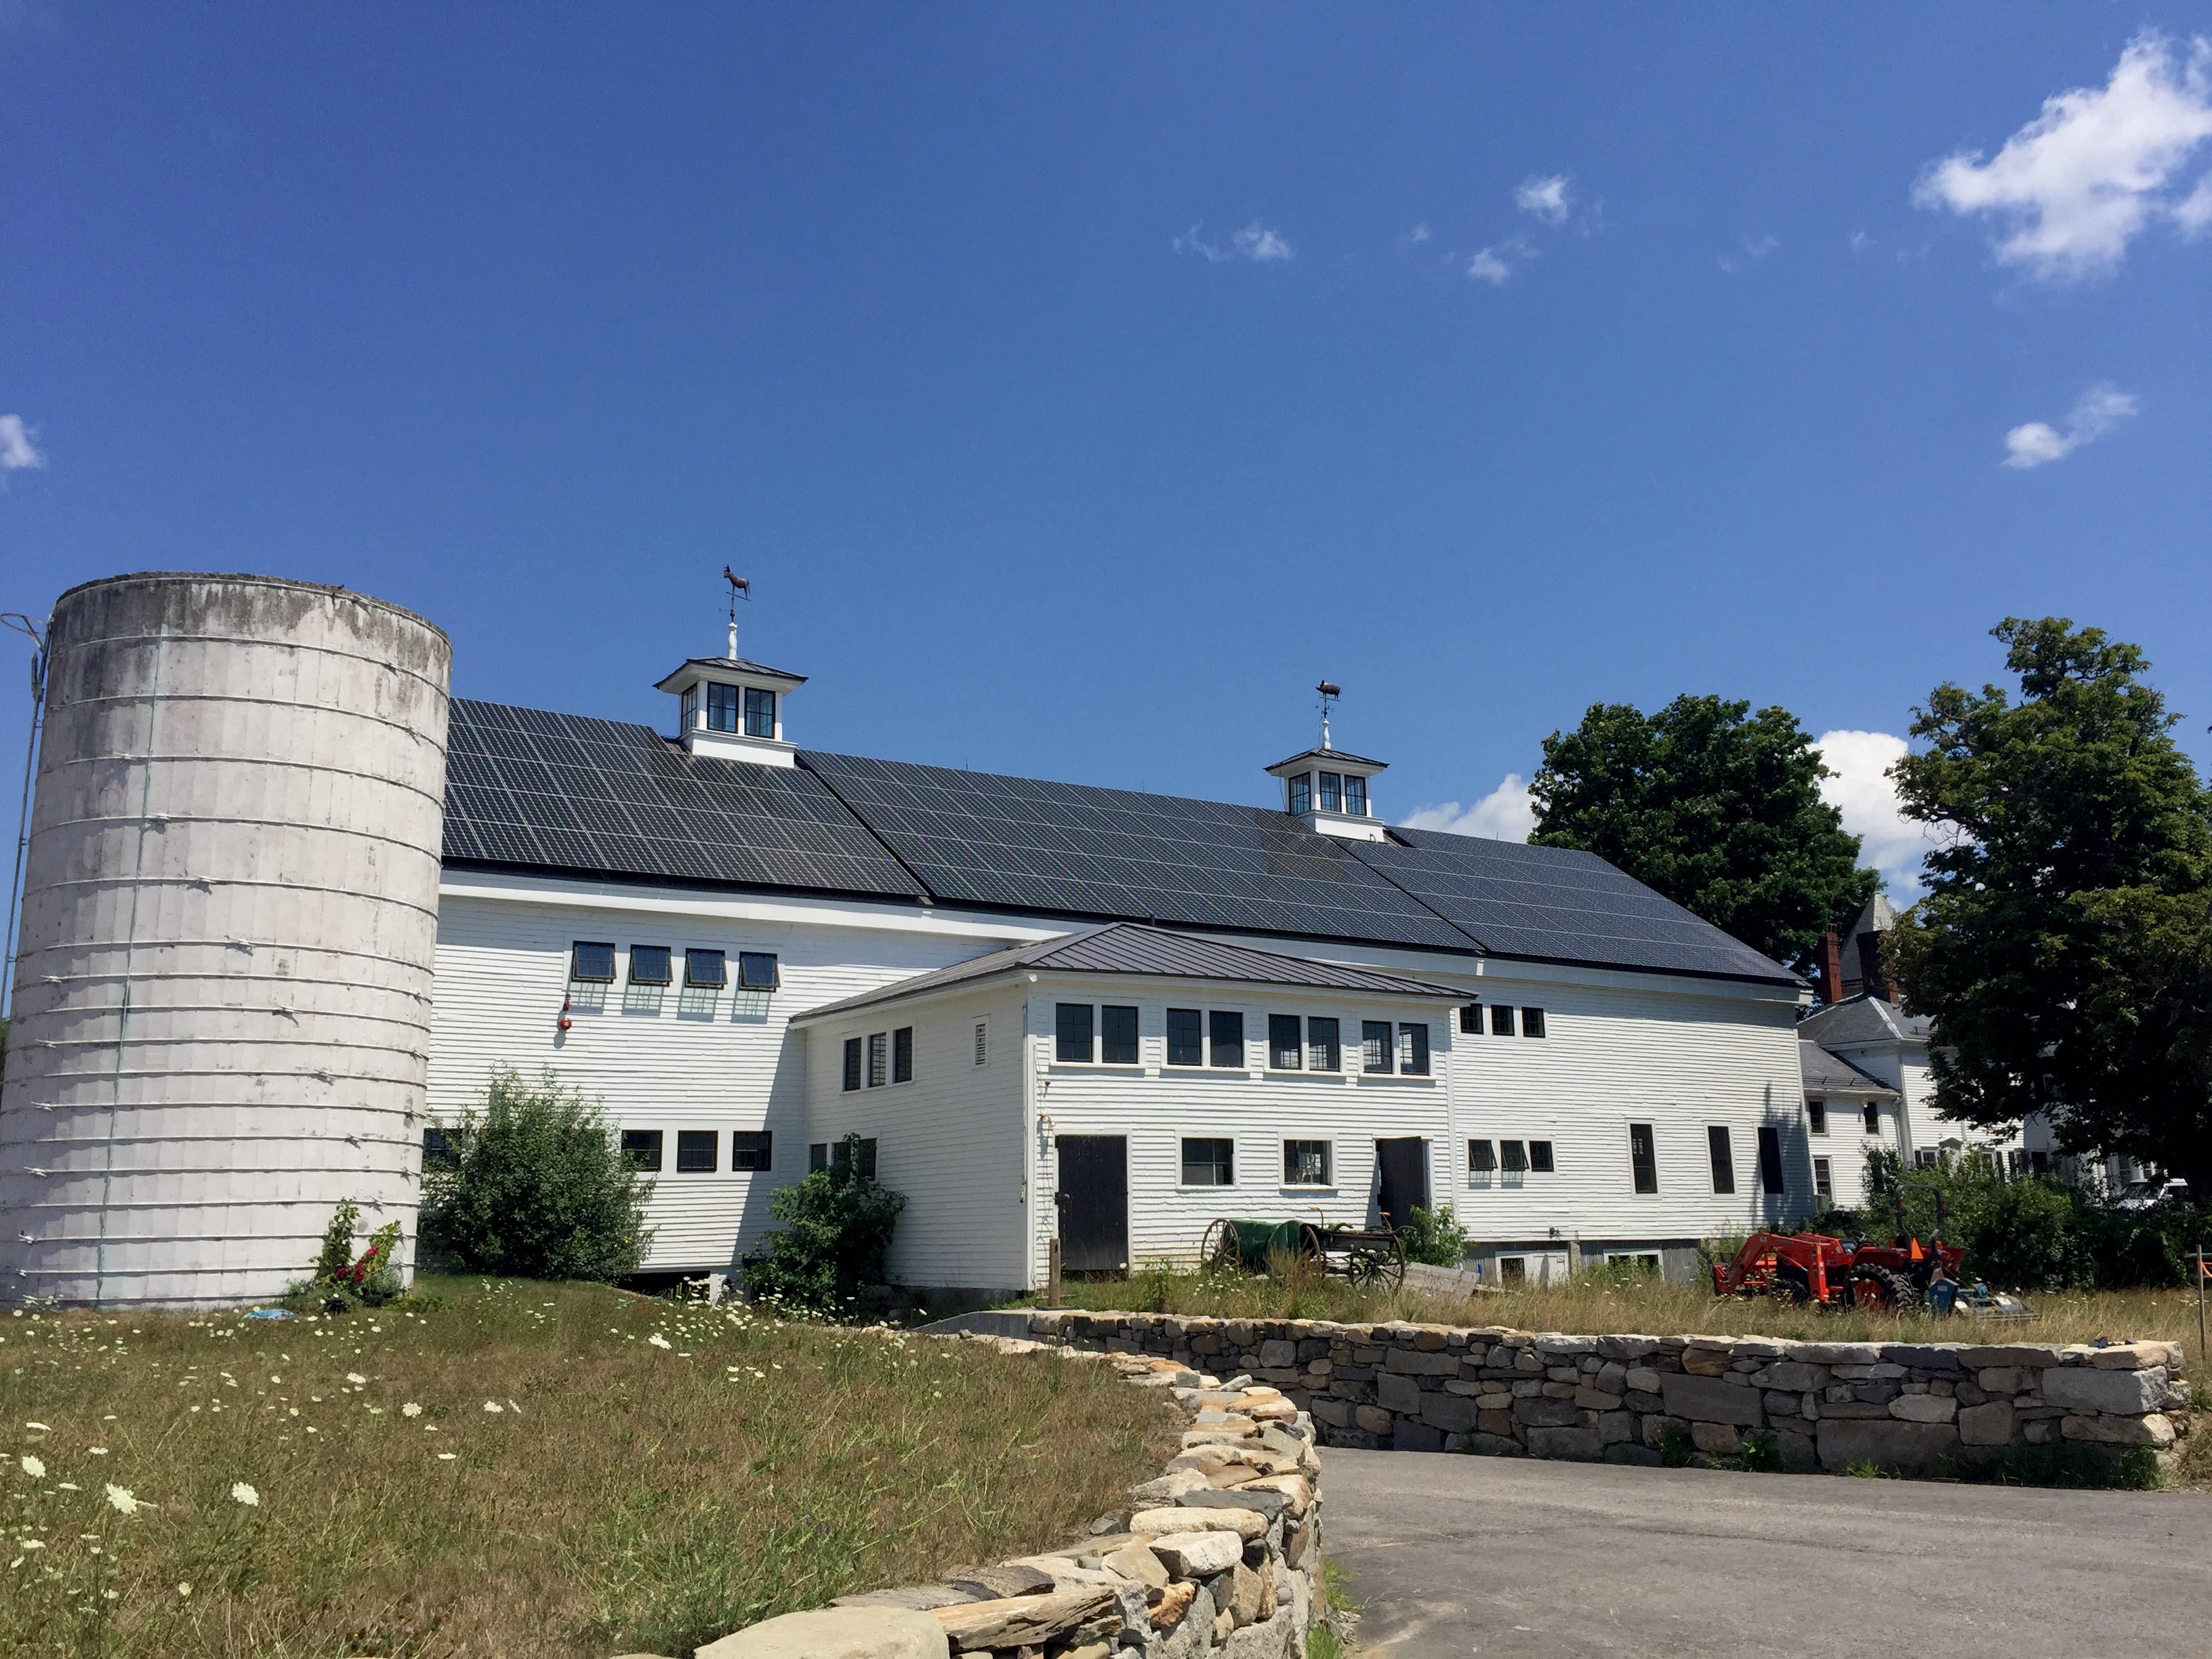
(1836, 1272)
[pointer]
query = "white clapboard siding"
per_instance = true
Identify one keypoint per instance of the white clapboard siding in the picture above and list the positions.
(668, 1062)
(950, 1141)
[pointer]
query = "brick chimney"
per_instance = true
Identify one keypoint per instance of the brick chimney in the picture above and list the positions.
(1829, 967)
(1873, 977)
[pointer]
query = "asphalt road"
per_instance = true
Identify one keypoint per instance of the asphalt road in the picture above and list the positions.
(1517, 1558)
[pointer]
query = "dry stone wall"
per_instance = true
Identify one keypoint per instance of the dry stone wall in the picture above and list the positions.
(1909, 1408)
(1219, 1557)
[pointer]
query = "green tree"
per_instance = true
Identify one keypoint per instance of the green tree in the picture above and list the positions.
(2065, 951)
(1713, 806)
(535, 1184)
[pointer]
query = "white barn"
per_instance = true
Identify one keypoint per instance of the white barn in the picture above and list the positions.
(704, 930)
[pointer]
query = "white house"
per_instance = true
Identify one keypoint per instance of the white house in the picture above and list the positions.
(698, 927)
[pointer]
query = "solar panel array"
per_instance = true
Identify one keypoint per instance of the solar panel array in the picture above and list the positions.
(1556, 904)
(559, 792)
(1072, 849)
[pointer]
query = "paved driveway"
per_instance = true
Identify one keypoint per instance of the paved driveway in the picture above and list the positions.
(1509, 1557)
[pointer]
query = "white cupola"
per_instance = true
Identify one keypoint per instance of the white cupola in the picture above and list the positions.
(733, 708)
(1327, 788)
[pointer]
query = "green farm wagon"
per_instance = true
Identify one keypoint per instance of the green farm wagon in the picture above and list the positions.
(1365, 1256)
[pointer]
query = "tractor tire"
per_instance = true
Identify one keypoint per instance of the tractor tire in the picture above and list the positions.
(1885, 1290)
(1792, 1285)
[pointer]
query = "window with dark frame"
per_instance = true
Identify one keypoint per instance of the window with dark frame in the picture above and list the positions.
(1512, 1269)
(760, 713)
(708, 969)
(1117, 1035)
(1513, 1156)
(879, 1056)
(1816, 1116)
(1186, 1037)
(698, 1152)
(1723, 1158)
(1501, 1019)
(1770, 1159)
(1286, 1047)
(641, 1150)
(1072, 1032)
(1355, 797)
(1481, 1157)
(1873, 1116)
(1301, 794)
(752, 1150)
(852, 1064)
(721, 707)
(903, 1054)
(1642, 1157)
(1532, 1021)
(591, 963)
(1376, 1046)
(688, 707)
(1539, 1157)
(439, 1152)
(1823, 1183)
(1324, 1049)
(1332, 791)
(1209, 1163)
(1413, 1050)
(982, 1044)
(837, 1160)
(1470, 1020)
(818, 1156)
(1305, 1163)
(649, 965)
(758, 970)
(1225, 1038)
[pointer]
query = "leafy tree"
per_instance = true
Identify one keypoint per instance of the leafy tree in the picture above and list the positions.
(535, 1184)
(2065, 950)
(1716, 807)
(836, 1232)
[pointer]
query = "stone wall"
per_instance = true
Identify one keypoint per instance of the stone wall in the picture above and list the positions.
(1909, 1408)
(1219, 1557)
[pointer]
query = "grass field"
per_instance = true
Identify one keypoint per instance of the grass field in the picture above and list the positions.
(1606, 1300)
(517, 1469)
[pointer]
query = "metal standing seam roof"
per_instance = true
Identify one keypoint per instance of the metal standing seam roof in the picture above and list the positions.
(1129, 948)
(1833, 1074)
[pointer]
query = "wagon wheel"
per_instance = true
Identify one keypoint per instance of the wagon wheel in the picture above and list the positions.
(1220, 1252)
(1378, 1262)
(1313, 1244)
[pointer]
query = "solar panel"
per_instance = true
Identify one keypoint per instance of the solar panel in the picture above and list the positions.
(562, 792)
(1074, 849)
(1557, 904)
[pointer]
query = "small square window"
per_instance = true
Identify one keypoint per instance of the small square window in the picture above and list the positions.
(1816, 1116)
(1501, 1020)
(1513, 1269)
(1186, 1037)
(1117, 1035)
(1514, 1155)
(852, 1064)
(1305, 1163)
(1286, 1042)
(649, 965)
(698, 1151)
(1209, 1163)
(752, 1149)
(1539, 1157)
(708, 969)
(1481, 1157)
(592, 963)
(1072, 1032)
(1225, 1032)
(903, 1054)
(1413, 1050)
(1532, 1021)
(1375, 1046)
(1470, 1020)
(640, 1149)
(879, 1056)
(1823, 1183)
(1324, 1052)
(758, 970)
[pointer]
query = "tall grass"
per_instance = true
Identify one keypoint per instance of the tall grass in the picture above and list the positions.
(526, 1468)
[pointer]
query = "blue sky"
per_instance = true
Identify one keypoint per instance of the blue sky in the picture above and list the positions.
(1079, 386)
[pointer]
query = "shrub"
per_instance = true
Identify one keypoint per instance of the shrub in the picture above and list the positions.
(1434, 1237)
(339, 1282)
(534, 1185)
(837, 1230)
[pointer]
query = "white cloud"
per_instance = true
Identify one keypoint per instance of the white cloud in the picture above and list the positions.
(2193, 213)
(1754, 248)
(2095, 413)
(2080, 182)
(1255, 242)
(1418, 235)
(17, 451)
(1546, 197)
(1494, 264)
(1506, 813)
(1863, 793)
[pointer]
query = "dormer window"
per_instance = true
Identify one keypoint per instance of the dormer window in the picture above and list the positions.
(760, 712)
(688, 706)
(1355, 797)
(721, 707)
(1332, 791)
(1301, 794)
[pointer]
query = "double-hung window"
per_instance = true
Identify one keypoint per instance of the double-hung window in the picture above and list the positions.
(1532, 1021)
(903, 1054)
(1324, 1050)
(1186, 1037)
(1225, 1040)
(1117, 1035)
(1501, 1019)
(1286, 1043)
(1816, 1116)
(1375, 1048)
(1823, 1182)
(760, 713)
(1073, 1028)
(1470, 1020)
(1642, 1157)
(852, 1064)
(1413, 1050)
(879, 1055)
(1872, 1117)
(721, 707)
(1724, 1159)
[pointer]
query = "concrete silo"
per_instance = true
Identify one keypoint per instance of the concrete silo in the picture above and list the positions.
(222, 998)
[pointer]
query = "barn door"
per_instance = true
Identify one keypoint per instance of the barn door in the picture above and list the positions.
(1404, 1167)
(1094, 1202)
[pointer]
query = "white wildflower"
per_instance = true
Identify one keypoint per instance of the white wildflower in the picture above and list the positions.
(183, 1589)
(242, 1493)
(410, 1409)
(121, 1498)
(446, 1457)
(493, 1406)
(40, 1427)
(97, 1451)
(355, 1378)
(33, 1468)
(657, 1339)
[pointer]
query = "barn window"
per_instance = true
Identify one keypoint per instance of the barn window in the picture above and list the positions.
(1532, 1021)
(1305, 1163)
(1375, 1048)
(1355, 797)
(982, 1047)
(1226, 1033)
(1716, 1147)
(1770, 1159)
(758, 971)
(1470, 1020)
(721, 707)
(879, 1055)
(1186, 1037)
(1823, 1182)
(1642, 1157)
(1071, 1028)
(709, 969)
(1514, 1155)
(752, 1149)
(760, 713)
(640, 1149)
(1117, 1035)
(1324, 1052)
(592, 963)
(1501, 1020)
(649, 965)
(852, 1064)
(1332, 791)
(1413, 1050)
(696, 1151)
(1816, 1116)
(1481, 1157)
(1873, 1118)
(1286, 1042)
(903, 1054)
(1209, 1163)
(1301, 794)
(1539, 1157)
